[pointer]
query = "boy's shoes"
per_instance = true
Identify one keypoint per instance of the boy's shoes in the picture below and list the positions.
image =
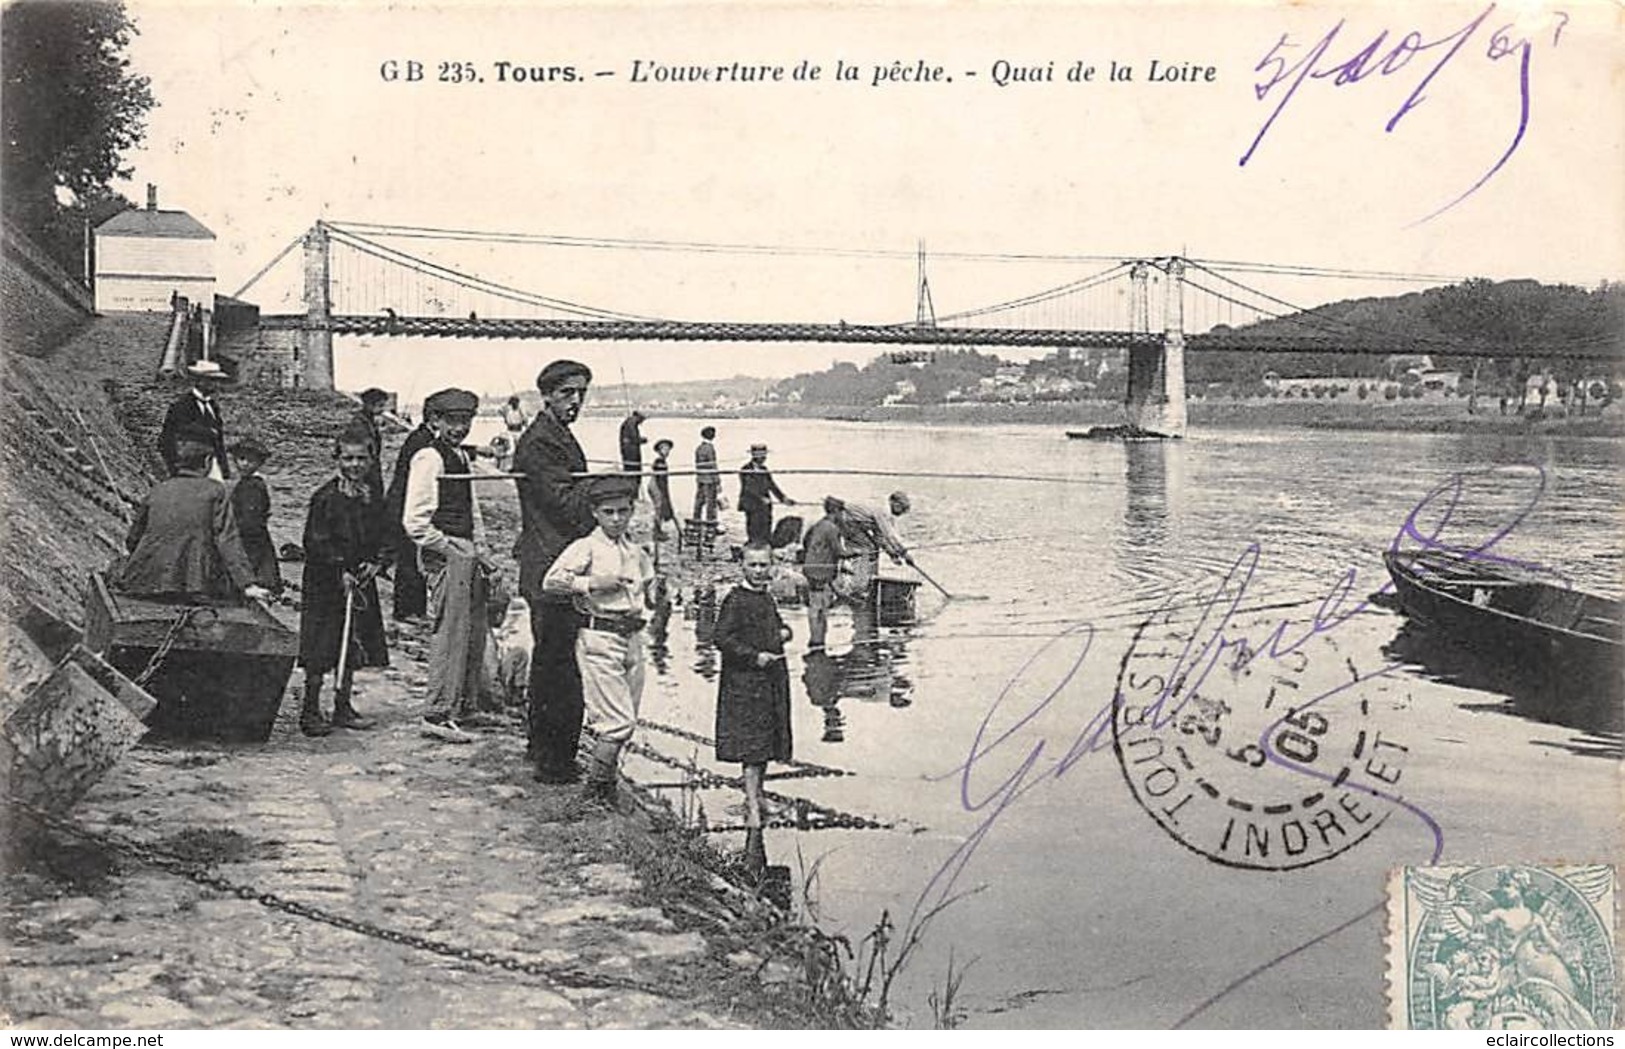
(482, 719)
(443, 728)
(315, 727)
(351, 720)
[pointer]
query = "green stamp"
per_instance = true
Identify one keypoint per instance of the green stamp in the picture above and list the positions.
(1506, 947)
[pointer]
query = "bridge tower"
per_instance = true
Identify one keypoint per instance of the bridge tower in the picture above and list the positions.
(1173, 353)
(1156, 373)
(316, 353)
(1145, 381)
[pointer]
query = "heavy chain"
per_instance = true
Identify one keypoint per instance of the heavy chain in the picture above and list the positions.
(202, 875)
(809, 815)
(804, 768)
(168, 642)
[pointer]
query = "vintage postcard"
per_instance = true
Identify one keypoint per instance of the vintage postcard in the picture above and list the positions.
(695, 515)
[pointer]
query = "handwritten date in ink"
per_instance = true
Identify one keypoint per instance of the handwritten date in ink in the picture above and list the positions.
(1291, 65)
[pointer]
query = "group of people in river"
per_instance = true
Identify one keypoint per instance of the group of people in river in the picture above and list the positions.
(588, 585)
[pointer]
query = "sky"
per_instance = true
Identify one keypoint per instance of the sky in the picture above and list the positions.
(272, 117)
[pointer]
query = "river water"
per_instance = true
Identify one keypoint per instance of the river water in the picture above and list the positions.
(1073, 906)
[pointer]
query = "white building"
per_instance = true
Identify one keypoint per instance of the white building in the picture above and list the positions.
(145, 256)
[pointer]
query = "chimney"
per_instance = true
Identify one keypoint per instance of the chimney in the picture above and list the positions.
(152, 197)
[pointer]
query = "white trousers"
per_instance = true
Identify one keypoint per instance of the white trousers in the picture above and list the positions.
(611, 681)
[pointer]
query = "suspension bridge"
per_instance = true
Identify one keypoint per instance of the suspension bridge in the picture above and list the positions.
(359, 281)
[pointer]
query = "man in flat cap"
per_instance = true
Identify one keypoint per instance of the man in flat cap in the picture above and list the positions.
(555, 511)
(442, 518)
(757, 490)
(373, 404)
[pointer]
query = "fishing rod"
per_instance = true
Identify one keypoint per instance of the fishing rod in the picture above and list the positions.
(809, 471)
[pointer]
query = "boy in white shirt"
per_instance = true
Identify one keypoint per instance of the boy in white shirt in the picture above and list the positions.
(609, 578)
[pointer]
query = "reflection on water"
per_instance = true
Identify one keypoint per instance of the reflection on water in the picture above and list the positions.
(1530, 690)
(1139, 526)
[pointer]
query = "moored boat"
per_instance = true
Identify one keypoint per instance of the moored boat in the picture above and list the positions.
(1568, 636)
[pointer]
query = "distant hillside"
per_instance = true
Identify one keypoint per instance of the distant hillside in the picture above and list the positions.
(612, 396)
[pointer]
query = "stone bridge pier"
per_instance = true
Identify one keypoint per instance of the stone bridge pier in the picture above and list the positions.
(1156, 373)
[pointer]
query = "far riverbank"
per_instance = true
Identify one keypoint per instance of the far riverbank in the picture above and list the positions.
(1425, 416)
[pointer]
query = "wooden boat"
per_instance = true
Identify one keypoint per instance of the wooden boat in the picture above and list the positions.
(1116, 432)
(223, 668)
(66, 716)
(1569, 636)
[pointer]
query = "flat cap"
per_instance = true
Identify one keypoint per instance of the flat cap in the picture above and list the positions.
(452, 400)
(550, 377)
(902, 501)
(758, 447)
(373, 395)
(601, 488)
(249, 448)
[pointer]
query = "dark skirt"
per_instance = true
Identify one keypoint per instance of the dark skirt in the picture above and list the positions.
(321, 625)
(753, 714)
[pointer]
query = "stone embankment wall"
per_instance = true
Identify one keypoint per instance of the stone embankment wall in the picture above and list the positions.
(40, 303)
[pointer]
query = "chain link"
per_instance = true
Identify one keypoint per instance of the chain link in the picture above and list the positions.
(809, 815)
(805, 768)
(162, 651)
(202, 875)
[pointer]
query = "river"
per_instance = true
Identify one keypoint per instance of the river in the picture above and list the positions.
(1076, 907)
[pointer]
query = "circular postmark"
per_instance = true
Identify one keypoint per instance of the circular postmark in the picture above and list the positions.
(1252, 743)
(1516, 947)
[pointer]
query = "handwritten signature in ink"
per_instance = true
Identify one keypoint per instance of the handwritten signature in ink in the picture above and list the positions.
(1032, 762)
(1384, 56)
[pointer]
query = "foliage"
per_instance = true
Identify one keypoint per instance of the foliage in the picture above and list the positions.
(71, 109)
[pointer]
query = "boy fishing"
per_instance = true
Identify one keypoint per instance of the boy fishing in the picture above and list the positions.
(753, 694)
(608, 577)
(341, 625)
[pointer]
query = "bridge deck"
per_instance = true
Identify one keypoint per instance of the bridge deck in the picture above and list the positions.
(896, 334)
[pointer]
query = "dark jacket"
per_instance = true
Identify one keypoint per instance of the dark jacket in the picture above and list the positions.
(757, 489)
(753, 702)
(185, 414)
(375, 472)
(341, 535)
(184, 541)
(553, 507)
(821, 553)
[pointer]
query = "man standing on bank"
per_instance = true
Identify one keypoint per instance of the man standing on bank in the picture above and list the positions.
(757, 490)
(411, 591)
(442, 516)
(707, 481)
(554, 512)
(196, 410)
(632, 442)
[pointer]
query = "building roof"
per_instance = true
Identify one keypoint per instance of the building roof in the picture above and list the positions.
(139, 222)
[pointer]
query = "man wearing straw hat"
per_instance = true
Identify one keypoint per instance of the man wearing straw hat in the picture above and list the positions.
(555, 512)
(442, 517)
(196, 409)
(757, 490)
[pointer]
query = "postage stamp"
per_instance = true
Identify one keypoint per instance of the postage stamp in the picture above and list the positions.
(1507, 947)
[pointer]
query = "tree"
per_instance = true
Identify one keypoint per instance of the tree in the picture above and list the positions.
(70, 110)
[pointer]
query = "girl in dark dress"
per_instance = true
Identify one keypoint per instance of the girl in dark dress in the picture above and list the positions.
(251, 502)
(344, 551)
(753, 698)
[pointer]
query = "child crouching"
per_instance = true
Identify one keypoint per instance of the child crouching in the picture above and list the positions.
(609, 578)
(344, 544)
(753, 695)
